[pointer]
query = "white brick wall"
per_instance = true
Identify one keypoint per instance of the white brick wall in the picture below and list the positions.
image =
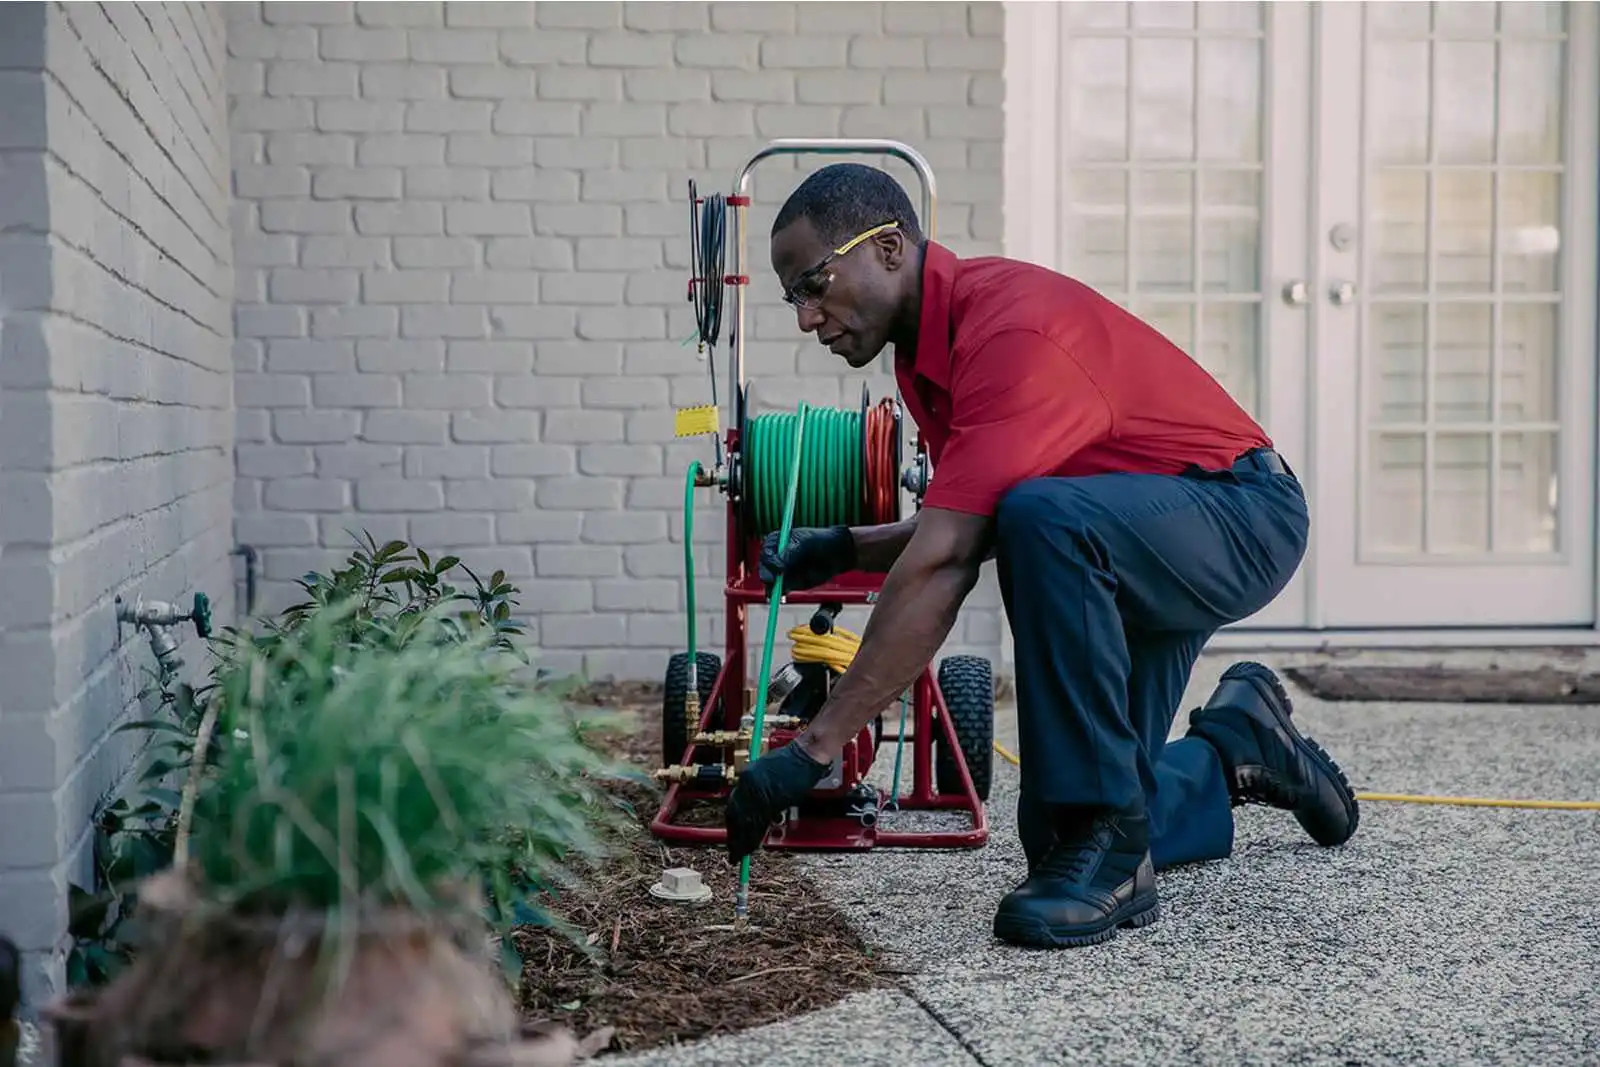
(462, 246)
(116, 425)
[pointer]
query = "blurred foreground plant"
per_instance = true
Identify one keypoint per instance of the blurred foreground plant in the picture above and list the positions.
(353, 774)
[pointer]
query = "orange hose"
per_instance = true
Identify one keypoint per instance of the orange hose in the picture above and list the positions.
(881, 481)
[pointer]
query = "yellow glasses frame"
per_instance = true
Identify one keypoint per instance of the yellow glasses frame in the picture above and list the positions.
(817, 278)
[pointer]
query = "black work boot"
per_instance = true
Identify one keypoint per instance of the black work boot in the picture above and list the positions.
(1095, 878)
(1267, 761)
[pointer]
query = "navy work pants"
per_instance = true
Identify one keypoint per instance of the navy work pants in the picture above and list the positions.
(1112, 585)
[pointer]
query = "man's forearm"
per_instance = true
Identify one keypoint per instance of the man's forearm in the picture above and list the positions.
(916, 610)
(878, 547)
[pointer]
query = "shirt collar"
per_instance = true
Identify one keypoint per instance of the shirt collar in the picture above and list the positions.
(931, 357)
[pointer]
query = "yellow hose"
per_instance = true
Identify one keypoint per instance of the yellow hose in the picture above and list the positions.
(839, 648)
(1407, 798)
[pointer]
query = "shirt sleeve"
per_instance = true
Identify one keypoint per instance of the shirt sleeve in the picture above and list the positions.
(1021, 406)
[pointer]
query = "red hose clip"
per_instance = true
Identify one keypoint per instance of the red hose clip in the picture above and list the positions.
(738, 201)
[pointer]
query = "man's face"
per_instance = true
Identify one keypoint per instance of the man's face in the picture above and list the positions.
(846, 294)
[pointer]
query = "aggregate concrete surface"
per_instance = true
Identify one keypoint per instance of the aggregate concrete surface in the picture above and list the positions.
(1438, 935)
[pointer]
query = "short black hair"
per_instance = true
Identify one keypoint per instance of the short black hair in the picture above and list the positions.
(844, 199)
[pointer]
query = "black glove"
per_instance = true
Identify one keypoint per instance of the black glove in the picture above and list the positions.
(815, 555)
(768, 787)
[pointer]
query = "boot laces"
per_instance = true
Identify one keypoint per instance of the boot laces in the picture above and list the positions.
(1071, 858)
(1263, 786)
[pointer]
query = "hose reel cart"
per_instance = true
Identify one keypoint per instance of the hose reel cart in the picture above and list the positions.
(787, 470)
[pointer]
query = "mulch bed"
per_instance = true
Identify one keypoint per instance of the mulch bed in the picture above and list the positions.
(1436, 684)
(663, 973)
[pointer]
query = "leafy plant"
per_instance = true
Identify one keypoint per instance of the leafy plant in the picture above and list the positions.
(354, 775)
(375, 741)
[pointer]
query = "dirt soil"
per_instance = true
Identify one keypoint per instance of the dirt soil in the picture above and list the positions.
(664, 973)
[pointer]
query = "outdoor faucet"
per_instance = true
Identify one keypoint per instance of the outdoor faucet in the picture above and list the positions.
(157, 617)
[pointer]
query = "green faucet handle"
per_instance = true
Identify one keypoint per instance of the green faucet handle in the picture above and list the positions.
(202, 615)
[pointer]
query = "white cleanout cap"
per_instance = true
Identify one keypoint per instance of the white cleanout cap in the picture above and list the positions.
(681, 884)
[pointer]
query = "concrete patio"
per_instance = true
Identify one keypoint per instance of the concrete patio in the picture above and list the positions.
(1438, 935)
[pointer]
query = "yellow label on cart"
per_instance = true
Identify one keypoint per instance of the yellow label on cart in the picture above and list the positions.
(698, 420)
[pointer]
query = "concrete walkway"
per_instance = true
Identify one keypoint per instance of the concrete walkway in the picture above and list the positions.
(1438, 935)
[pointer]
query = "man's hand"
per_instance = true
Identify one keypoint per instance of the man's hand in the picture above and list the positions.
(814, 556)
(768, 787)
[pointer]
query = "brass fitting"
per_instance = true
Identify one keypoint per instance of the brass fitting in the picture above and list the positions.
(692, 772)
(691, 710)
(724, 737)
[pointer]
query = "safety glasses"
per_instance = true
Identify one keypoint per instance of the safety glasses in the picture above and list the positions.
(809, 289)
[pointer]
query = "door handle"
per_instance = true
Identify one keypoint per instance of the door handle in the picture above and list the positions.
(1295, 293)
(1343, 293)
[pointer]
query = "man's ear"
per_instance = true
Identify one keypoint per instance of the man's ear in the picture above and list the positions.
(891, 249)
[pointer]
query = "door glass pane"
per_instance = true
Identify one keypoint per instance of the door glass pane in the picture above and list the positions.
(1458, 507)
(1099, 206)
(1525, 509)
(1163, 98)
(1230, 231)
(1399, 225)
(1399, 353)
(1530, 231)
(1163, 195)
(1463, 213)
(1463, 101)
(1394, 482)
(1528, 363)
(1464, 183)
(1462, 370)
(1163, 227)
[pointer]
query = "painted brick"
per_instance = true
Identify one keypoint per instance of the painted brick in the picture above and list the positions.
(401, 150)
(491, 83)
(498, 357)
(401, 82)
(488, 426)
(364, 45)
(361, 116)
(411, 13)
(356, 460)
(398, 494)
(451, 530)
(541, 177)
(574, 14)
(447, 461)
(519, 392)
(436, 252)
(542, 47)
(447, 391)
(664, 16)
(342, 322)
(405, 427)
(489, 13)
(535, 183)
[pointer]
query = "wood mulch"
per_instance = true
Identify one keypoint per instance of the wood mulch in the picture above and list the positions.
(662, 973)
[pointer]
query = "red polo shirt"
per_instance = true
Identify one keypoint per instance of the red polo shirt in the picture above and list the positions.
(1022, 373)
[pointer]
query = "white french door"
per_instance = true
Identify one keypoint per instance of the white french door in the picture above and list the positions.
(1374, 223)
(1454, 355)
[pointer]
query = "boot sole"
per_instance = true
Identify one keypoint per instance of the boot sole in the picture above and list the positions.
(1282, 710)
(1035, 933)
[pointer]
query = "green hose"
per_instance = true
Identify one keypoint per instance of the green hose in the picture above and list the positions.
(741, 901)
(688, 566)
(829, 466)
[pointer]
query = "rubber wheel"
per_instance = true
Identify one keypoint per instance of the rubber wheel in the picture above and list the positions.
(968, 687)
(674, 731)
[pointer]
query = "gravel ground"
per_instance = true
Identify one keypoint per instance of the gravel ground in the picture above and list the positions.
(1439, 935)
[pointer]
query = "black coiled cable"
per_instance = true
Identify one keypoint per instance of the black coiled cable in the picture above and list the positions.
(708, 230)
(708, 234)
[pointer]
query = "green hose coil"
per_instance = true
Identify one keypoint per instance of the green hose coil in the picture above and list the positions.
(831, 467)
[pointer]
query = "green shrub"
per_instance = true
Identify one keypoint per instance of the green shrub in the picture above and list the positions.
(354, 772)
(376, 741)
